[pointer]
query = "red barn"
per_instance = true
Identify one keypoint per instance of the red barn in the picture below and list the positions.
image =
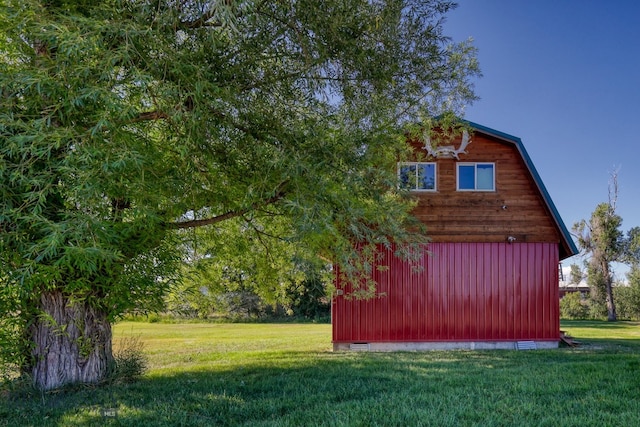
(490, 279)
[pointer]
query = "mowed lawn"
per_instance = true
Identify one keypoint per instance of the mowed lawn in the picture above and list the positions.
(286, 375)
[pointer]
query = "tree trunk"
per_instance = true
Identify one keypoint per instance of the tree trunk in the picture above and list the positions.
(71, 342)
(611, 307)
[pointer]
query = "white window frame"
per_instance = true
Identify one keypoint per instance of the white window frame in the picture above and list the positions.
(475, 180)
(416, 164)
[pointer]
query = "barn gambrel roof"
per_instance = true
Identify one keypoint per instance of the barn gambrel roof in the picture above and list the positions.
(567, 246)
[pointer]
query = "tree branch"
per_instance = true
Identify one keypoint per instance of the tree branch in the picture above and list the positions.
(262, 232)
(613, 189)
(257, 232)
(150, 115)
(230, 214)
(203, 21)
(206, 18)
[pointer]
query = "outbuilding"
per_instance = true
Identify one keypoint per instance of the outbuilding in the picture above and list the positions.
(489, 276)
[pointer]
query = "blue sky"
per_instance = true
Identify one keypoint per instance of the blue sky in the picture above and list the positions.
(564, 76)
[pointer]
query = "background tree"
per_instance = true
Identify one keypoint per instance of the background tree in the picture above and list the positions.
(247, 263)
(603, 241)
(631, 255)
(575, 275)
(125, 123)
(572, 306)
(628, 294)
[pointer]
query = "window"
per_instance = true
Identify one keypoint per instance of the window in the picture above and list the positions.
(476, 177)
(417, 176)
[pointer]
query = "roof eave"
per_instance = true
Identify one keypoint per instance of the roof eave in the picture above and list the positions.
(568, 244)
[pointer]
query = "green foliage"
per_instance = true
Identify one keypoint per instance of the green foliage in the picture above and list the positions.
(602, 239)
(240, 305)
(597, 291)
(190, 297)
(244, 269)
(11, 352)
(307, 296)
(632, 247)
(129, 361)
(628, 297)
(572, 306)
(576, 275)
(602, 235)
(13, 348)
(125, 123)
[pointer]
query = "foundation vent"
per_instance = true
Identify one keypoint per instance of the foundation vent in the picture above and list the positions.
(359, 346)
(526, 345)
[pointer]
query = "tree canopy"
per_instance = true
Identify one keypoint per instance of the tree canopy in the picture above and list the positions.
(604, 242)
(124, 123)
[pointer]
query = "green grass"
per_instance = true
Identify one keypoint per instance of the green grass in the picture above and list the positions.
(607, 335)
(286, 375)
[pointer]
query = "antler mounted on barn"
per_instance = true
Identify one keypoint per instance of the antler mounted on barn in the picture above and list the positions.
(446, 151)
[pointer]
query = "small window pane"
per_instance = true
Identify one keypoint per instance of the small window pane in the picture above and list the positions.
(466, 177)
(485, 177)
(408, 177)
(426, 177)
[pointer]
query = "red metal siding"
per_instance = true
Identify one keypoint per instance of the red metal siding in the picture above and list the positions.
(465, 292)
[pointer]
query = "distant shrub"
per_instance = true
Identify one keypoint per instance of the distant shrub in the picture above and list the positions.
(627, 299)
(307, 298)
(241, 305)
(12, 352)
(597, 308)
(130, 362)
(572, 306)
(191, 300)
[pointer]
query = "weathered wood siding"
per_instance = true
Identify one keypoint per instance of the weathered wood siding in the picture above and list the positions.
(516, 207)
(465, 292)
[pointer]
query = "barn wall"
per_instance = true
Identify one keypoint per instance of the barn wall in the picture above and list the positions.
(516, 208)
(465, 292)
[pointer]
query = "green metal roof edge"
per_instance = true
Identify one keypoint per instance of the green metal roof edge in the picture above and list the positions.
(573, 249)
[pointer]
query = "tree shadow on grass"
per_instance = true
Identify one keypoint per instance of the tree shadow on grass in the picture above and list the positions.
(448, 388)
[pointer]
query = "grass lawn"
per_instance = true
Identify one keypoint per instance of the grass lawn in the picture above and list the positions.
(286, 375)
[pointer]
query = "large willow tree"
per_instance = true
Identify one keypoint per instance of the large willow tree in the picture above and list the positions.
(125, 122)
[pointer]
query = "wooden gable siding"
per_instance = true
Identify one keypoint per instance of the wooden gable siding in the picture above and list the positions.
(469, 216)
